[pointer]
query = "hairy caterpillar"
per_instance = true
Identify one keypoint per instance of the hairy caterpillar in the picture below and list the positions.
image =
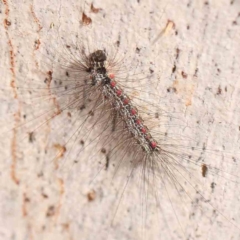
(48, 100)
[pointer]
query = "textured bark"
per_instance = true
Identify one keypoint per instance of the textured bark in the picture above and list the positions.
(192, 47)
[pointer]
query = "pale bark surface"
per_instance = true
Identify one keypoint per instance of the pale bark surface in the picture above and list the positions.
(192, 47)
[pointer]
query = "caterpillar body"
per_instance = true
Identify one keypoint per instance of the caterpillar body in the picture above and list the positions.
(84, 112)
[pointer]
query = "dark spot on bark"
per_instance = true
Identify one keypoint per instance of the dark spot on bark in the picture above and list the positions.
(204, 170)
(184, 75)
(50, 211)
(91, 196)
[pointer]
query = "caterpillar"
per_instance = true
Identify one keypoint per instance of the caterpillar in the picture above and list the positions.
(89, 106)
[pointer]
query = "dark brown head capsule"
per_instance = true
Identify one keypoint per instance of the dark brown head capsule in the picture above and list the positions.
(98, 56)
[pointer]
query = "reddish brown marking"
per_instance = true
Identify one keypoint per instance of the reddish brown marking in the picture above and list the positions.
(7, 23)
(36, 20)
(44, 195)
(86, 20)
(95, 10)
(61, 191)
(13, 86)
(103, 150)
(26, 200)
(65, 226)
(91, 195)
(48, 83)
(184, 75)
(37, 44)
(24, 206)
(49, 80)
(6, 14)
(61, 149)
(57, 106)
(54, 99)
